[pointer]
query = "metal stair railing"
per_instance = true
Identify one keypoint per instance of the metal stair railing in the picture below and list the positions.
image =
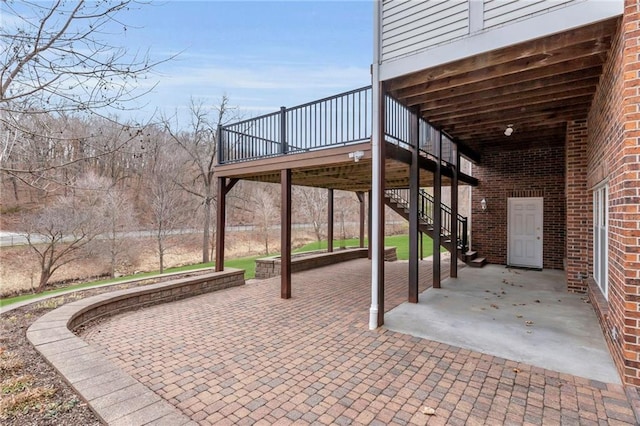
(426, 205)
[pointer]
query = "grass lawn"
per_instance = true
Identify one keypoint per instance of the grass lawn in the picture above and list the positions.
(401, 242)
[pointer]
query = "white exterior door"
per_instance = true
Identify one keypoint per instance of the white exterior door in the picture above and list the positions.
(525, 232)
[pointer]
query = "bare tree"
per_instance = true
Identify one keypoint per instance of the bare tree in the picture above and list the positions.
(120, 217)
(56, 57)
(312, 205)
(167, 203)
(56, 60)
(199, 143)
(59, 234)
(50, 151)
(265, 212)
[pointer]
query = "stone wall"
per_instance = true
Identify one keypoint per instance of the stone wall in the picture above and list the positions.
(269, 267)
(168, 291)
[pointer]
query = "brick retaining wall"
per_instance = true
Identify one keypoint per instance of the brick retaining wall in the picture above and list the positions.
(114, 396)
(269, 267)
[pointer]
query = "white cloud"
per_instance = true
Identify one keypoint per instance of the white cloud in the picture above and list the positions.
(266, 78)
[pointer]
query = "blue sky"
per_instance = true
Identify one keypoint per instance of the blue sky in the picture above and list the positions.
(261, 54)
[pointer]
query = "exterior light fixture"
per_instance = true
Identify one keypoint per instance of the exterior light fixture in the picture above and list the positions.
(509, 130)
(356, 155)
(483, 204)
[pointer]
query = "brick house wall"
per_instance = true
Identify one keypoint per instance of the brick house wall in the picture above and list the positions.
(613, 156)
(579, 242)
(517, 170)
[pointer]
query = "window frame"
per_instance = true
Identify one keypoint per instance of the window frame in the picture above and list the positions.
(601, 237)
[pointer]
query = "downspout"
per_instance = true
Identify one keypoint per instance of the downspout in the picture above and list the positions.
(375, 168)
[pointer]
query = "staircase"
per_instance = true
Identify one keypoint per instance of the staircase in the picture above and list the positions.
(398, 200)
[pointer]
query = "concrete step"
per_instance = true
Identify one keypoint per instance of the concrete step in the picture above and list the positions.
(478, 262)
(470, 255)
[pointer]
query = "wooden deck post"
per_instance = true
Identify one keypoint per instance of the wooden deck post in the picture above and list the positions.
(285, 234)
(360, 196)
(330, 220)
(437, 210)
(221, 218)
(453, 264)
(220, 224)
(414, 187)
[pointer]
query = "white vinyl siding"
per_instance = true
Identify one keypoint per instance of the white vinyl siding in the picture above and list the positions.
(413, 26)
(498, 12)
(601, 238)
(410, 28)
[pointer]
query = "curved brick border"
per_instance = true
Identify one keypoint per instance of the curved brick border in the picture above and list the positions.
(114, 396)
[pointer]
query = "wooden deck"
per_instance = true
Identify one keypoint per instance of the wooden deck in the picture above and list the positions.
(332, 168)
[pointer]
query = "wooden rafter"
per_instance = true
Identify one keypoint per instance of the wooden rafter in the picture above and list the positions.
(537, 86)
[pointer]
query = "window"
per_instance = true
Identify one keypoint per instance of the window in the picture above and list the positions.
(600, 237)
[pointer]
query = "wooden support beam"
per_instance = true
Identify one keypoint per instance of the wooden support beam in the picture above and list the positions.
(437, 211)
(360, 196)
(400, 154)
(583, 42)
(220, 222)
(285, 234)
(531, 79)
(453, 264)
(330, 220)
(414, 188)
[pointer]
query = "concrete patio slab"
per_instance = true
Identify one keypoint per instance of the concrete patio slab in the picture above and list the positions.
(521, 315)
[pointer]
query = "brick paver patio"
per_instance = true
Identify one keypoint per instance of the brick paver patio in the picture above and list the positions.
(244, 356)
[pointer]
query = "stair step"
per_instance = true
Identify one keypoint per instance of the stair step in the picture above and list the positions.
(470, 255)
(478, 263)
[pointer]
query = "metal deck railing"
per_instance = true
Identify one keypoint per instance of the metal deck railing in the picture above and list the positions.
(338, 120)
(342, 119)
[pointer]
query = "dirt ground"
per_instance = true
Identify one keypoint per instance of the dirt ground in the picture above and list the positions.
(32, 392)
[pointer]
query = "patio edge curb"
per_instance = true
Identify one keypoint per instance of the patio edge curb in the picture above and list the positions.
(114, 396)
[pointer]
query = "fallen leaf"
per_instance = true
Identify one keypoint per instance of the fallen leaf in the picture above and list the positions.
(528, 323)
(494, 306)
(518, 316)
(428, 411)
(537, 301)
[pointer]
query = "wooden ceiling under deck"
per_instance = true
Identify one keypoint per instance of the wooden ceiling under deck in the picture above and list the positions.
(536, 86)
(327, 168)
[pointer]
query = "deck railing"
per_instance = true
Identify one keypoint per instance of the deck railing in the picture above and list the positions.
(342, 119)
(426, 208)
(398, 122)
(337, 120)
